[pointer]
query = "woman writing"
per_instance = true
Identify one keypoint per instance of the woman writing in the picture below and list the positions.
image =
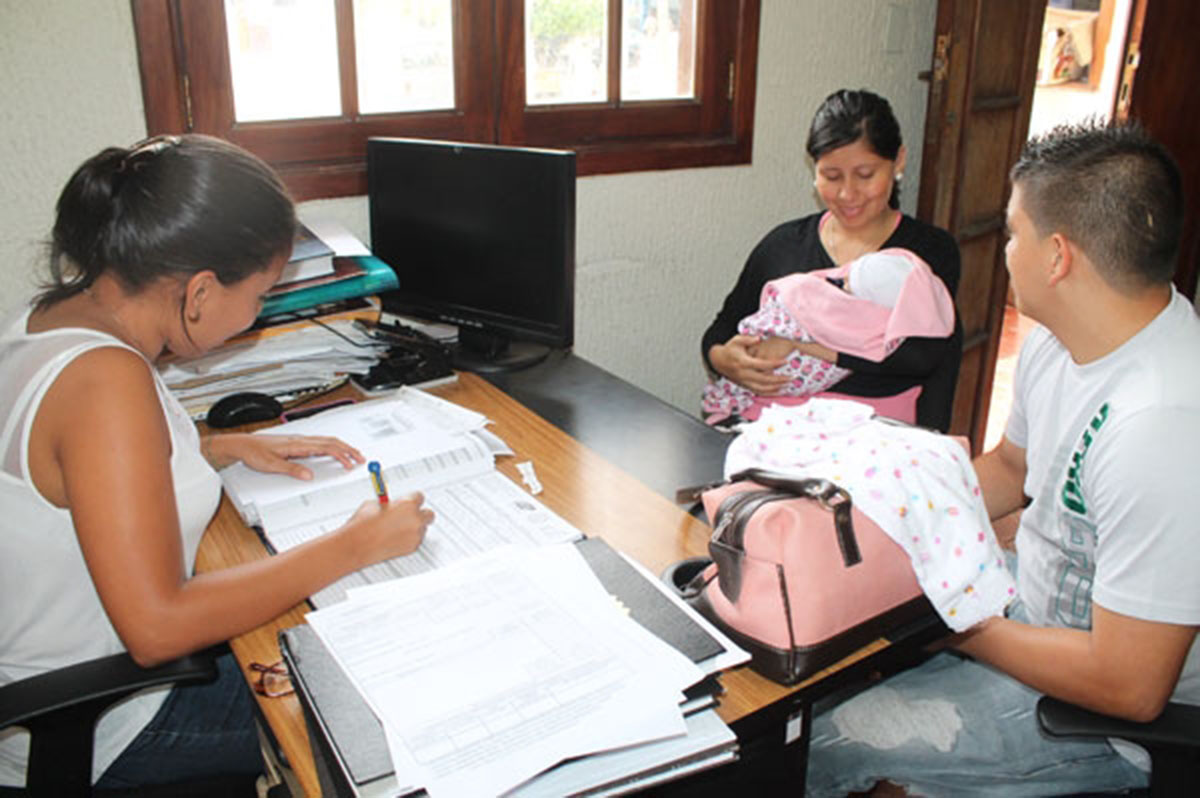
(167, 247)
(859, 157)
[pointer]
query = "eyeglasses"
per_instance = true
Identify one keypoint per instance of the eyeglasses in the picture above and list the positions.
(273, 680)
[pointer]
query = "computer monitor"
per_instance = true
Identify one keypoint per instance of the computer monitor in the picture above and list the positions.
(481, 237)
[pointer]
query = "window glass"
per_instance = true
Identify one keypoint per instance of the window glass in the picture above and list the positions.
(658, 49)
(566, 51)
(405, 55)
(630, 85)
(283, 59)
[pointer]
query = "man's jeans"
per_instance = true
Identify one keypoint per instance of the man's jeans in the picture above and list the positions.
(955, 727)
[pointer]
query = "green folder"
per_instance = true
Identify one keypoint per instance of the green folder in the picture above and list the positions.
(374, 277)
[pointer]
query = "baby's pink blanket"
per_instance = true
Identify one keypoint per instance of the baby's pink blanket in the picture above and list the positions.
(807, 307)
(856, 326)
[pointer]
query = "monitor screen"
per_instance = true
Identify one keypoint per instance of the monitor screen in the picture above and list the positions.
(481, 237)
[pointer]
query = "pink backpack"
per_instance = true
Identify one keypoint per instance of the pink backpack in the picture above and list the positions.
(800, 578)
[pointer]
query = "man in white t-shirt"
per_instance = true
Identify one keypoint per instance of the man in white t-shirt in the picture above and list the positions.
(1099, 451)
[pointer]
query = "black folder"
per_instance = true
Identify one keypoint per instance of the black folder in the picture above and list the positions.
(646, 603)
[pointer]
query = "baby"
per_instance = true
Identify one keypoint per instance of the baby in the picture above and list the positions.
(865, 308)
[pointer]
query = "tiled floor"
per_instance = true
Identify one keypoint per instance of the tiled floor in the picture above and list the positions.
(1012, 332)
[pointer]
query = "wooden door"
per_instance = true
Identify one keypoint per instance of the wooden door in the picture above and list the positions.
(980, 95)
(1160, 87)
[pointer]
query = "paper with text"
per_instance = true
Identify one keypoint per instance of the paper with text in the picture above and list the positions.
(404, 429)
(490, 671)
(471, 516)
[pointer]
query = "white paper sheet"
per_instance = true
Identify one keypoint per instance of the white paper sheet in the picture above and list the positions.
(412, 434)
(477, 515)
(493, 670)
(337, 237)
(708, 742)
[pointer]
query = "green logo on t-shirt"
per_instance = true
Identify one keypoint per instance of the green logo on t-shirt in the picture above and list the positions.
(1072, 492)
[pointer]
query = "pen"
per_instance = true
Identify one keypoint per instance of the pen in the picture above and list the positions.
(377, 481)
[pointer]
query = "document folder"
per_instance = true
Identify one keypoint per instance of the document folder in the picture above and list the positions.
(351, 753)
(373, 277)
(646, 604)
(347, 735)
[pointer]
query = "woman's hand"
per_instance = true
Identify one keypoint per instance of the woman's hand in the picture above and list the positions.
(381, 532)
(275, 454)
(817, 350)
(738, 360)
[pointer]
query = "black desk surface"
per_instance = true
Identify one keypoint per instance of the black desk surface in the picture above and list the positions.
(665, 448)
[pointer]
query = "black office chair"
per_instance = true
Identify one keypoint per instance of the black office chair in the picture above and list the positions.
(60, 709)
(1173, 739)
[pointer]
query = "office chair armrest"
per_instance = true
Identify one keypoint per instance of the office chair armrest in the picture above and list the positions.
(105, 678)
(1177, 727)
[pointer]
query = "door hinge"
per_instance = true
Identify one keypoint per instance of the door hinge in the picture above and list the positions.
(189, 121)
(941, 57)
(1133, 57)
(731, 73)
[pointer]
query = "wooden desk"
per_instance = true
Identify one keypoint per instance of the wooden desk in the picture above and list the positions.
(586, 490)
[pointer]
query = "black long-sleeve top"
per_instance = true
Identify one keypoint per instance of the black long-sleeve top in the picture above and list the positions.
(933, 363)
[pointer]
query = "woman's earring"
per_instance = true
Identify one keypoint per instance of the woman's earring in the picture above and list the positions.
(899, 176)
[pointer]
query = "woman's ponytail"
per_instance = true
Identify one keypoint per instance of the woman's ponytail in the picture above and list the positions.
(169, 206)
(84, 217)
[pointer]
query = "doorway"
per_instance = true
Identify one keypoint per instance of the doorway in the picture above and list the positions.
(1078, 75)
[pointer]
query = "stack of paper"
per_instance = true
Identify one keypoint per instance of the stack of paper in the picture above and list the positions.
(422, 443)
(502, 662)
(311, 257)
(490, 671)
(281, 364)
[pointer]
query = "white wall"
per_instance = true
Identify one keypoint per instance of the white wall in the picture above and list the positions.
(656, 251)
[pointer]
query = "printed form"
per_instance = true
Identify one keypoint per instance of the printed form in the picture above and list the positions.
(423, 444)
(487, 672)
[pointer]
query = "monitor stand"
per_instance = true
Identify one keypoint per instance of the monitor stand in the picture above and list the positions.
(488, 353)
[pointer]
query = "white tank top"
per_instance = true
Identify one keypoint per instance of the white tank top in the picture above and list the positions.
(50, 614)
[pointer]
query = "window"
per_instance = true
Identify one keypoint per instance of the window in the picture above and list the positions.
(628, 84)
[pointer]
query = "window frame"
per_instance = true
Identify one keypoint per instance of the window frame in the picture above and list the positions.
(186, 87)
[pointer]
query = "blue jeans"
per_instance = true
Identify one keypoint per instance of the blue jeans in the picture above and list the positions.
(200, 731)
(955, 727)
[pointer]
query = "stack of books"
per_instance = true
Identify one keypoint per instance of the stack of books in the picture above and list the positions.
(311, 257)
(328, 265)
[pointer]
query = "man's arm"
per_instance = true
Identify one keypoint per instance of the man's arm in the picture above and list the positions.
(1124, 666)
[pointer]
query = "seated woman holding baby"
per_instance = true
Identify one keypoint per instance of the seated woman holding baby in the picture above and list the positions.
(859, 157)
